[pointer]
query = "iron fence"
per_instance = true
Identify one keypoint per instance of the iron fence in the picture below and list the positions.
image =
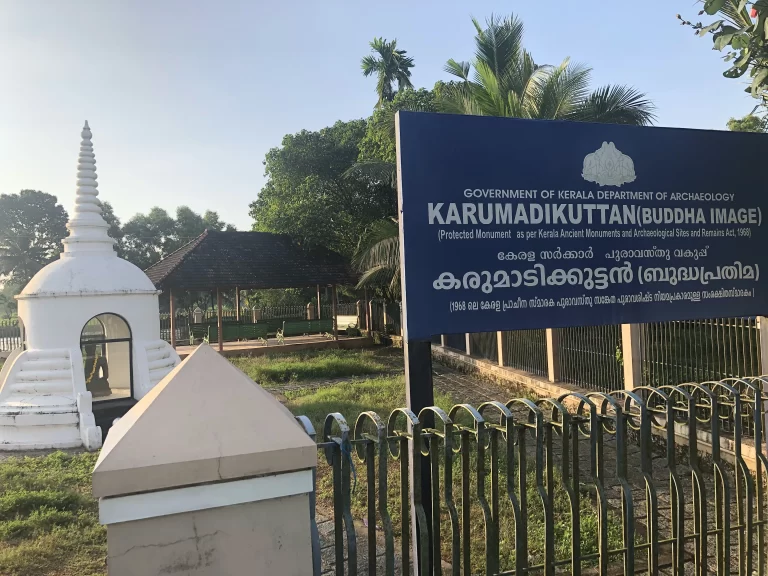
(10, 334)
(586, 484)
(484, 345)
(526, 350)
(698, 350)
(386, 317)
(591, 357)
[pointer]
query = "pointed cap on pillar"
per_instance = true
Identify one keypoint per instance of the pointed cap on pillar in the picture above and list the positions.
(204, 422)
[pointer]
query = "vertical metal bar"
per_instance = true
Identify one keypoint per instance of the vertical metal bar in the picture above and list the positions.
(493, 434)
(449, 500)
(386, 520)
(319, 313)
(521, 551)
(465, 504)
(370, 465)
(405, 520)
(338, 514)
(575, 503)
(434, 461)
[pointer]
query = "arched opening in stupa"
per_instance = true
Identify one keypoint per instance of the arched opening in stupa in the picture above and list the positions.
(107, 349)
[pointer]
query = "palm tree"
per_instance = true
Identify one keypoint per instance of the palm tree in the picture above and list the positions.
(378, 257)
(504, 80)
(390, 65)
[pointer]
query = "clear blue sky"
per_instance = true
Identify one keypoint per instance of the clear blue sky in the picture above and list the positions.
(185, 97)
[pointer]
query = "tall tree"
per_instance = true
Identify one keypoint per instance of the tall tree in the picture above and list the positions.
(504, 80)
(32, 226)
(750, 123)
(390, 66)
(307, 195)
(146, 238)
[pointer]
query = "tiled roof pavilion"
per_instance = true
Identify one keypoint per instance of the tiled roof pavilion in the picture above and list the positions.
(247, 261)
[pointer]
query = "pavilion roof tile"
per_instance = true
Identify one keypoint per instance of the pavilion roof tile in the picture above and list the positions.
(249, 260)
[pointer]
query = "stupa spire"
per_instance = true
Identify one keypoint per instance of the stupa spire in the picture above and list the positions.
(87, 228)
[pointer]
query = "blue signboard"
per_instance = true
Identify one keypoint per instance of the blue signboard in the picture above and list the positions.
(512, 224)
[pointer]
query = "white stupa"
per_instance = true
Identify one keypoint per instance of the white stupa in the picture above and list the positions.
(91, 332)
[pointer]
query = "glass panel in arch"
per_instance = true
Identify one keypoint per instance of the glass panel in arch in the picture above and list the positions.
(105, 343)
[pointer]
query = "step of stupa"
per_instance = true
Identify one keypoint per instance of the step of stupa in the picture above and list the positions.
(47, 364)
(25, 375)
(41, 437)
(41, 386)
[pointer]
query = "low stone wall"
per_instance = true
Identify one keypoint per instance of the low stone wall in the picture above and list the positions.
(543, 388)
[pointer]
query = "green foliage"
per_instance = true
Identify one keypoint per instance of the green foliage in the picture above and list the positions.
(48, 517)
(278, 368)
(742, 37)
(147, 238)
(307, 195)
(390, 66)
(379, 140)
(32, 226)
(504, 80)
(377, 257)
(750, 123)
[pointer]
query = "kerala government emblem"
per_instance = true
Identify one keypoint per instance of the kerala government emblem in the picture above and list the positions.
(608, 167)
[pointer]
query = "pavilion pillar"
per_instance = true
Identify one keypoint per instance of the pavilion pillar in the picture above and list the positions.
(318, 302)
(334, 305)
(172, 310)
(218, 320)
(237, 304)
(367, 311)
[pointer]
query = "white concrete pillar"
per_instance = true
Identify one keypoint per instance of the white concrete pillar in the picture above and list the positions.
(500, 347)
(553, 355)
(632, 356)
(762, 326)
(467, 344)
(210, 498)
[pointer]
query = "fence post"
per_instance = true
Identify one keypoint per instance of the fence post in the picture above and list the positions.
(310, 311)
(442, 340)
(762, 324)
(631, 354)
(468, 344)
(335, 312)
(359, 313)
(553, 355)
(500, 346)
(369, 319)
(172, 310)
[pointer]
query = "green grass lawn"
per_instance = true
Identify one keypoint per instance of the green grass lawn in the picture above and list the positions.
(49, 523)
(275, 369)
